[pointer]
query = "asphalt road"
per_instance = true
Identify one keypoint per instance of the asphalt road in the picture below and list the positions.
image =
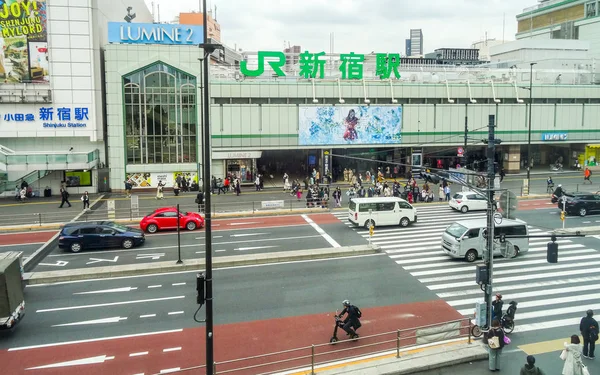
(230, 237)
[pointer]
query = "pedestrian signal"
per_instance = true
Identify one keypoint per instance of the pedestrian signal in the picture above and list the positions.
(200, 279)
(552, 254)
(562, 215)
(371, 230)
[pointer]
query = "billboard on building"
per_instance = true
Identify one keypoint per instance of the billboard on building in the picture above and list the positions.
(23, 41)
(342, 125)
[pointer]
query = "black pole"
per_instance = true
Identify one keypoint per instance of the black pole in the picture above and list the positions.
(178, 237)
(491, 173)
(207, 211)
(466, 135)
(529, 132)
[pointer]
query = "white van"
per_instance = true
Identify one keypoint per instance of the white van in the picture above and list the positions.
(465, 238)
(384, 211)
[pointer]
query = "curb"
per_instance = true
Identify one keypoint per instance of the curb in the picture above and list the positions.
(47, 277)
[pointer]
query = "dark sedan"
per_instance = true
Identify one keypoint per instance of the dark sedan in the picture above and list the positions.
(580, 203)
(99, 235)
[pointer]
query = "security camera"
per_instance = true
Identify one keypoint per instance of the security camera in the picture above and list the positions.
(130, 16)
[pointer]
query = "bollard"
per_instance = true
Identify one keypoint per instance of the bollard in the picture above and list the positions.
(252, 206)
(291, 205)
(312, 359)
(469, 329)
(39, 218)
(398, 344)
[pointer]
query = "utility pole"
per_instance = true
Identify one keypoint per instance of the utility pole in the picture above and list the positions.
(491, 173)
(529, 158)
(466, 136)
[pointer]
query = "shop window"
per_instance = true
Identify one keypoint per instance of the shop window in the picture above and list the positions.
(160, 116)
(78, 178)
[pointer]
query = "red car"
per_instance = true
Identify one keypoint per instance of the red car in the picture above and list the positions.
(166, 218)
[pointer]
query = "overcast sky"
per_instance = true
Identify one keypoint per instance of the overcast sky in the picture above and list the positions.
(359, 26)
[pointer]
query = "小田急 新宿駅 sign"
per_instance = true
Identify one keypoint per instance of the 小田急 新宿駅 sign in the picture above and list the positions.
(154, 33)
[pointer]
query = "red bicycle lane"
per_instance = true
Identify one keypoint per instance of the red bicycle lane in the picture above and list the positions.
(182, 349)
(23, 238)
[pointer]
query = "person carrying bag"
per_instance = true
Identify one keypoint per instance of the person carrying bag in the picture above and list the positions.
(496, 341)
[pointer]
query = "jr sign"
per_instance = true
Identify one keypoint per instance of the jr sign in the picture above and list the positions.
(312, 65)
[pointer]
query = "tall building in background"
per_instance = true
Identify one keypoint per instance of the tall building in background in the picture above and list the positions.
(292, 56)
(416, 42)
(197, 18)
(407, 48)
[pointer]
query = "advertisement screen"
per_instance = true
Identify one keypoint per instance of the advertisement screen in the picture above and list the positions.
(342, 125)
(78, 178)
(23, 41)
(167, 179)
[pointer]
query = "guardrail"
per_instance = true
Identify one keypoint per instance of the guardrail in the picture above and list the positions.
(308, 358)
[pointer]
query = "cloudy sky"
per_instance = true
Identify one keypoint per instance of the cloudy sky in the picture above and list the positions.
(358, 26)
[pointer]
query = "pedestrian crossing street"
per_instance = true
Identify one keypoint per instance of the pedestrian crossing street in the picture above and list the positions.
(548, 295)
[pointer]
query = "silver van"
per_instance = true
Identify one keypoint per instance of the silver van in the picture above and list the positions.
(381, 211)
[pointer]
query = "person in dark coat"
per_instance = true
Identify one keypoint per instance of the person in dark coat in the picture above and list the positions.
(64, 194)
(352, 319)
(589, 330)
(200, 201)
(497, 307)
(530, 368)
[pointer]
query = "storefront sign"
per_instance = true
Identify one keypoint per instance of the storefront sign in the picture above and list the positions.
(341, 125)
(312, 65)
(224, 155)
(24, 41)
(167, 179)
(554, 136)
(52, 117)
(154, 33)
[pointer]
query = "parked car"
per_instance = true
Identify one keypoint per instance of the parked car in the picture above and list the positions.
(85, 236)
(580, 203)
(466, 201)
(166, 218)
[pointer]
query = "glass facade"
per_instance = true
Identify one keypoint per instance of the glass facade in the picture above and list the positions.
(160, 116)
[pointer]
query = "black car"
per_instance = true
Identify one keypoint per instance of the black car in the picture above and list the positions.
(580, 203)
(98, 235)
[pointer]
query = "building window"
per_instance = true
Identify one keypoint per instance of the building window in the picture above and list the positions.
(591, 9)
(160, 116)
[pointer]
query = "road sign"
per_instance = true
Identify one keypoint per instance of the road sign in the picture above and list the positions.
(498, 218)
(461, 151)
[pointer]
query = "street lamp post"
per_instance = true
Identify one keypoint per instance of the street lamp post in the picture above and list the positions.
(529, 132)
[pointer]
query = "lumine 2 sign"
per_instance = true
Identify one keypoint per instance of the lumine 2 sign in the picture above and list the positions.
(312, 65)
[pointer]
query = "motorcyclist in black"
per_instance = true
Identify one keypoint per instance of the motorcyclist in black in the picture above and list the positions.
(352, 319)
(559, 192)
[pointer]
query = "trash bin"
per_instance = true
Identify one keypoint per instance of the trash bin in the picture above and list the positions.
(47, 192)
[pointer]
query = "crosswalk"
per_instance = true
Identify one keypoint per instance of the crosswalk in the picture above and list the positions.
(548, 295)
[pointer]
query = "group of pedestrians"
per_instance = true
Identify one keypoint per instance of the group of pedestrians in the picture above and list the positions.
(572, 355)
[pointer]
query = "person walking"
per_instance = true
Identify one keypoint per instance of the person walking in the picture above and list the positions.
(495, 337)
(530, 368)
(502, 174)
(128, 188)
(23, 195)
(572, 357)
(447, 192)
(589, 331)
(200, 201)
(85, 198)
(441, 193)
(159, 190)
(586, 175)
(64, 195)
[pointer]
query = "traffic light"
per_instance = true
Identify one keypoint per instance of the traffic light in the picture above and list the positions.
(200, 279)
(562, 215)
(371, 230)
(552, 254)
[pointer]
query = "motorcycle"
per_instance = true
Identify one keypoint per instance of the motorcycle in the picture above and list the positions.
(556, 167)
(507, 321)
(339, 323)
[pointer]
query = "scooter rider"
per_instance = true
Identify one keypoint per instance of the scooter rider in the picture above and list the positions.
(559, 192)
(352, 318)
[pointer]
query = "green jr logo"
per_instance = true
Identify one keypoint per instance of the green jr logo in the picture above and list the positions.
(276, 65)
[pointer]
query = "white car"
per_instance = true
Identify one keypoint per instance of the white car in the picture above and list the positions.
(466, 201)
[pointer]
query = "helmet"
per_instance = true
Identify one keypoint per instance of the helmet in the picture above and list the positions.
(559, 185)
(346, 302)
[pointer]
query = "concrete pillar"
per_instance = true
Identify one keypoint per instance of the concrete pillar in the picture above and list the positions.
(512, 159)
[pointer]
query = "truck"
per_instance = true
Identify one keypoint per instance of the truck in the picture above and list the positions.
(12, 300)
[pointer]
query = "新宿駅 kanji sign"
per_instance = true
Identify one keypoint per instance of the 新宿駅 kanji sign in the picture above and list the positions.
(312, 65)
(59, 117)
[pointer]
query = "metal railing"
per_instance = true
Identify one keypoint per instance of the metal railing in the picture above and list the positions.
(47, 157)
(308, 359)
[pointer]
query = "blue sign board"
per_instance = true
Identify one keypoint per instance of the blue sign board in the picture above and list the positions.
(59, 117)
(554, 136)
(154, 33)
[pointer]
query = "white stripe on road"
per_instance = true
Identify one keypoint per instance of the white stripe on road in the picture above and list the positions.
(171, 349)
(547, 302)
(175, 313)
(148, 316)
(108, 304)
(326, 236)
(138, 354)
(546, 325)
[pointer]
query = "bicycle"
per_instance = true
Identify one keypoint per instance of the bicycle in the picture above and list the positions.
(550, 188)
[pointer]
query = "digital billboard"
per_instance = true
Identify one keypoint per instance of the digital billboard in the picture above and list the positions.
(339, 125)
(23, 41)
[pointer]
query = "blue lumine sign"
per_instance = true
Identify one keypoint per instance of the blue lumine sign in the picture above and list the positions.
(154, 33)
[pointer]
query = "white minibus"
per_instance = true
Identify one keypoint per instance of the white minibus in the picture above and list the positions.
(465, 238)
(381, 211)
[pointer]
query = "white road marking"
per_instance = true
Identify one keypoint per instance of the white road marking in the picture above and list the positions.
(326, 236)
(147, 316)
(98, 260)
(175, 313)
(171, 349)
(586, 222)
(261, 240)
(253, 248)
(138, 354)
(115, 319)
(219, 251)
(154, 286)
(177, 284)
(115, 290)
(77, 362)
(166, 371)
(59, 263)
(108, 304)
(246, 223)
(150, 256)
(95, 340)
(248, 234)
